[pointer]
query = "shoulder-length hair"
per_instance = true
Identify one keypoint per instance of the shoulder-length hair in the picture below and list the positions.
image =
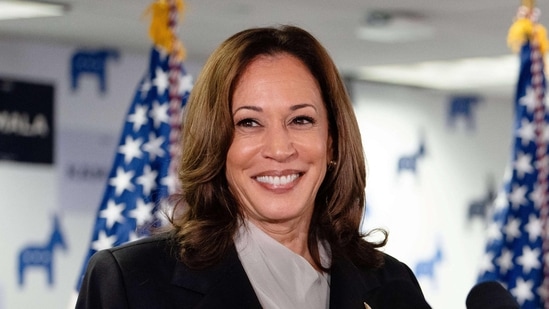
(208, 212)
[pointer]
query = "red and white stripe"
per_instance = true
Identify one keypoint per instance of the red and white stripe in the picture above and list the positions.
(542, 158)
(175, 109)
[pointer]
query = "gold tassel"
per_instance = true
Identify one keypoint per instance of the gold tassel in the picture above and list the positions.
(524, 29)
(520, 32)
(160, 32)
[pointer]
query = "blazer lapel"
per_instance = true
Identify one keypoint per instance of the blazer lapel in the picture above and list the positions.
(348, 289)
(224, 285)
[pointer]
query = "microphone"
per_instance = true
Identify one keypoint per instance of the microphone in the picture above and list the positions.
(490, 295)
(401, 294)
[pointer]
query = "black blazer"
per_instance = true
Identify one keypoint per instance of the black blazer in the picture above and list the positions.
(147, 274)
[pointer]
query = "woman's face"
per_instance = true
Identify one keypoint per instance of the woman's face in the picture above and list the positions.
(281, 146)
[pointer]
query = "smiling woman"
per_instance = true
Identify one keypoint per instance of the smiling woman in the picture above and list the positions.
(273, 179)
(281, 144)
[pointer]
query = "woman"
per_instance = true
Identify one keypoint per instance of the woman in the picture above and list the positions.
(273, 178)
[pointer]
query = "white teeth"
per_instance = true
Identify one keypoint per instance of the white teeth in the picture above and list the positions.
(277, 180)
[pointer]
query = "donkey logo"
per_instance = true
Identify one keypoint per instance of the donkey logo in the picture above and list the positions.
(462, 107)
(91, 62)
(409, 162)
(426, 268)
(41, 256)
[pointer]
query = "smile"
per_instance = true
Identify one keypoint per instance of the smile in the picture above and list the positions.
(277, 180)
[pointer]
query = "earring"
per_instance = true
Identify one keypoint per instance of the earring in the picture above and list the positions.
(332, 165)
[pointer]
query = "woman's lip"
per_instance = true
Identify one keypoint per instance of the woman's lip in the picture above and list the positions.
(277, 173)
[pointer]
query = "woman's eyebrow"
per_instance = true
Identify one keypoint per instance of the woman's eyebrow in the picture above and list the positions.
(250, 107)
(259, 109)
(300, 106)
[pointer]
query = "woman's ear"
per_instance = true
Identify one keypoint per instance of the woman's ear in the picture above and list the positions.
(329, 150)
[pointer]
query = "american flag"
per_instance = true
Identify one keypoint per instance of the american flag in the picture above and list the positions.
(143, 172)
(518, 240)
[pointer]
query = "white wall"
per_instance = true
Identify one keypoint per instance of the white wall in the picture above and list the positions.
(421, 211)
(428, 210)
(87, 125)
(31, 193)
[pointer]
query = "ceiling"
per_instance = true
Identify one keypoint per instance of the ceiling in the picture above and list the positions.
(457, 29)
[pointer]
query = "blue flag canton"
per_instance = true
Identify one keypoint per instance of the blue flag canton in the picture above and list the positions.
(514, 254)
(140, 177)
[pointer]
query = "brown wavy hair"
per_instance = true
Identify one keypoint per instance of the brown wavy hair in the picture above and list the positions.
(207, 214)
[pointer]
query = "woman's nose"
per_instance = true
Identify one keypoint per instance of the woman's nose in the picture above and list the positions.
(278, 144)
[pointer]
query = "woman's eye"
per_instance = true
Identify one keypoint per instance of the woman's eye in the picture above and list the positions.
(303, 120)
(248, 122)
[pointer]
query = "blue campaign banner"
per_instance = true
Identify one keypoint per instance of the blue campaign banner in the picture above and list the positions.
(26, 121)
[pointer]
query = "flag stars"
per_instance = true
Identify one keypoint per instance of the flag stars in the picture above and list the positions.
(154, 146)
(523, 164)
(537, 196)
(518, 196)
(526, 132)
(139, 117)
(533, 227)
(142, 213)
(529, 99)
(523, 291)
(131, 149)
(500, 202)
(159, 114)
(145, 87)
(519, 259)
(512, 229)
(185, 84)
(122, 181)
(171, 182)
(103, 241)
(147, 180)
(529, 259)
(493, 232)
(112, 214)
(161, 81)
(129, 205)
(505, 261)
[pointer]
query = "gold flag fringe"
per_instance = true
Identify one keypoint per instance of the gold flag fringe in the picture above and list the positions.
(524, 29)
(160, 30)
